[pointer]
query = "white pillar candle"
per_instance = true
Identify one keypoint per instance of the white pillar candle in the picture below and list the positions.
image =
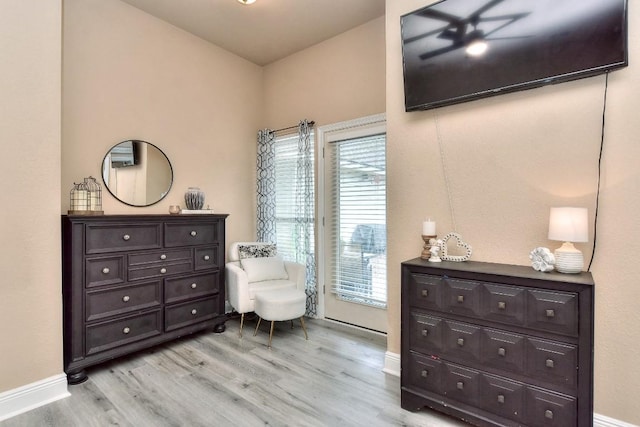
(429, 228)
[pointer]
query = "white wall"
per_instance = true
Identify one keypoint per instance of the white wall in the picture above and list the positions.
(339, 79)
(507, 160)
(30, 93)
(128, 75)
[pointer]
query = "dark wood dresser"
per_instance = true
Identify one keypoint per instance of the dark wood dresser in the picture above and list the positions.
(497, 345)
(134, 281)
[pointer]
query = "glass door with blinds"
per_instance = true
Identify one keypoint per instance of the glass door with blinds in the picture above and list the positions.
(355, 226)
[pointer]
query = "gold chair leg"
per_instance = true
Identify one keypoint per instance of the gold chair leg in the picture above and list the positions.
(241, 324)
(257, 326)
(271, 333)
(306, 337)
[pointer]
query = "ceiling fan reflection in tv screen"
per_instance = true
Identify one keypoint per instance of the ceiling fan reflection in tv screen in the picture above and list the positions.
(459, 50)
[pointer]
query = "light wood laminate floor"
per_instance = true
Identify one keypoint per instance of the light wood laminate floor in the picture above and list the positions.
(333, 379)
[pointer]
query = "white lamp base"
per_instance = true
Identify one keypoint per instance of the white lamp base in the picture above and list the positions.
(568, 259)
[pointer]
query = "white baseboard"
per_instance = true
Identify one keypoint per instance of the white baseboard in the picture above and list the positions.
(602, 421)
(391, 364)
(31, 396)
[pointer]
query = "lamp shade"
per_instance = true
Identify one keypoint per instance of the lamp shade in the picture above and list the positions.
(568, 224)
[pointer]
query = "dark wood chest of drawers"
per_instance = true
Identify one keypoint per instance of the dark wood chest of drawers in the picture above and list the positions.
(497, 345)
(134, 281)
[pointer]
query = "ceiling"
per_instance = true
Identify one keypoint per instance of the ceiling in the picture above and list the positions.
(267, 30)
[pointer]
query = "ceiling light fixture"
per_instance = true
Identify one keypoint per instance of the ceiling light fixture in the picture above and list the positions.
(247, 1)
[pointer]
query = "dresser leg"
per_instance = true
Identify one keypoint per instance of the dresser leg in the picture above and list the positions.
(219, 328)
(77, 377)
(411, 402)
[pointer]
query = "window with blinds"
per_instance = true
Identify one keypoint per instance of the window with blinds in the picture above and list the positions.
(287, 215)
(358, 219)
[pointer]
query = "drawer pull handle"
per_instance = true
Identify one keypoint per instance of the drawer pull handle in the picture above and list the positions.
(502, 352)
(194, 311)
(502, 305)
(460, 298)
(206, 257)
(126, 330)
(424, 293)
(460, 385)
(425, 332)
(126, 237)
(126, 298)
(424, 373)
(194, 285)
(550, 314)
(460, 342)
(163, 256)
(105, 270)
(163, 270)
(549, 363)
(501, 398)
(548, 414)
(193, 233)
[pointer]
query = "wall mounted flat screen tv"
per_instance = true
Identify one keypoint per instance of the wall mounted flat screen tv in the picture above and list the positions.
(521, 44)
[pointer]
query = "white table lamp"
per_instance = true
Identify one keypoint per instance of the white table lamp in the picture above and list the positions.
(568, 225)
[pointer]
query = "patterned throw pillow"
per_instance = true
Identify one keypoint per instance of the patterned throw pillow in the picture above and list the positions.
(257, 251)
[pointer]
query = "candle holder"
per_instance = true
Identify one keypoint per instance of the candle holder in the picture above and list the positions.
(429, 241)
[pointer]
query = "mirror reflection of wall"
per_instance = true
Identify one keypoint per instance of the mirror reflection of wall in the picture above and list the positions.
(137, 173)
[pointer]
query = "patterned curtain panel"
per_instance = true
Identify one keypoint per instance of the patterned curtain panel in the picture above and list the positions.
(266, 215)
(304, 218)
(305, 213)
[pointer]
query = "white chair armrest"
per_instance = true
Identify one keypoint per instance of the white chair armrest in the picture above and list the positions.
(238, 288)
(297, 273)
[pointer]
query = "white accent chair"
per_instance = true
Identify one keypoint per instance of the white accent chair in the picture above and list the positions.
(242, 285)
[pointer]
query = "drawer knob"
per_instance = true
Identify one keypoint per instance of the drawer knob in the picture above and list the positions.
(126, 298)
(163, 270)
(425, 332)
(194, 311)
(193, 233)
(424, 293)
(549, 363)
(501, 398)
(424, 373)
(460, 385)
(194, 285)
(126, 330)
(548, 414)
(206, 257)
(460, 342)
(550, 313)
(460, 298)
(163, 256)
(502, 305)
(126, 237)
(105, 270)
(502, 352)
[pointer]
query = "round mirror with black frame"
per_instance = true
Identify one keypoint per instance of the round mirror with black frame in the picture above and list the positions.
(137, 173)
